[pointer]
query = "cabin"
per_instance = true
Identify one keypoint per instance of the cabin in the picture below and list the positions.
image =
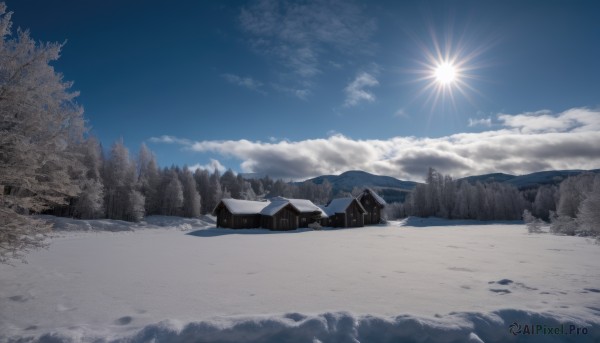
(279, 215)
(239, 214)
(290, 214)
(373, 204)
(308, 211)
(344, 212)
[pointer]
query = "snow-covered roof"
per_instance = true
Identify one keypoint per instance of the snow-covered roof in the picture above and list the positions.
(378, 198)
(302, 205)
(340, 205)
(273, 207)
(236, 206)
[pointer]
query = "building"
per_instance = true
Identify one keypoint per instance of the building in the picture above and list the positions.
(373, 204)
(239, 214)
(344, 212)
(290, 214)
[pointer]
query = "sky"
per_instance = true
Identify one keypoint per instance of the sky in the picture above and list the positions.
(297, 89)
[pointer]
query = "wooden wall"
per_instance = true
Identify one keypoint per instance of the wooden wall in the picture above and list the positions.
(373, 215)
(236, 221)
(285, 219)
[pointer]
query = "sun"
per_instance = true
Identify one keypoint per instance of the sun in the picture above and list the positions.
(445, 73)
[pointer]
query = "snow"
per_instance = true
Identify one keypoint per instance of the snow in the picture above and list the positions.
(405, 281)
(375, 195)
(339, 205)
(302, 205)
(236, 206)
(273, 207)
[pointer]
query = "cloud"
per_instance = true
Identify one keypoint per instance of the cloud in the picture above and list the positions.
(211, 166)
(525, 143)
(480, 122)
(576, 119)
(356, 91)
(246, 82)
(298, 34)
(401, 113)
(170, 140)
(300, 93)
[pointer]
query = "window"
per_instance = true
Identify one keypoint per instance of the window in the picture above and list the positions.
(283, 222)
(245, 221)
(304, 220)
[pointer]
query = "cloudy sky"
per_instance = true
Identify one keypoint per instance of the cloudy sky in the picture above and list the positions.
(303, 88)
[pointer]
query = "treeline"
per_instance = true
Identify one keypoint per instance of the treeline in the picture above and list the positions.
(443, 197)
(572, 207)
(121, 187)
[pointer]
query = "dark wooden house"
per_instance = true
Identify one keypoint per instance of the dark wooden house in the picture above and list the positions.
(344, 212)
(239, 214)
(279, 215)
(373, 204)
(308, 211)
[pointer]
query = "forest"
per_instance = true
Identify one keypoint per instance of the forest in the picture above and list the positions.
(51, 164)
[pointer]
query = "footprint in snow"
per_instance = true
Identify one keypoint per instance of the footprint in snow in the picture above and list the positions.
(19, 298)
(124, 320)
(500, 291)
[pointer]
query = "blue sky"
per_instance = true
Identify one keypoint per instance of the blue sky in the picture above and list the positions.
(299, 89)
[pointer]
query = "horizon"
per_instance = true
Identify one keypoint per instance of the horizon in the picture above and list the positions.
(299, 90)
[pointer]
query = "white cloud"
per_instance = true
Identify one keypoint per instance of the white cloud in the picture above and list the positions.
(357, 90)
(523, 145)
(170, 140)
(401, 113)
(576, 119)
(246, 82)
(480, 122)
(297, 34)
(300, 93)
(211, 166)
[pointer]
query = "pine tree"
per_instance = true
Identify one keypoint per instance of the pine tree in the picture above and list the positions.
(191, 198)
(40, 123)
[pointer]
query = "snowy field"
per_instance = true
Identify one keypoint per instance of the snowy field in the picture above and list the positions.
(181, 280)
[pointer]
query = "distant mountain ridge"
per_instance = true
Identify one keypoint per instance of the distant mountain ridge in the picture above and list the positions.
(533, 180)
(393, 190)
(390, 188)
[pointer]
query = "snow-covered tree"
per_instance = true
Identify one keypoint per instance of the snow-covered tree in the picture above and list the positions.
(90, 201)
(214, 189)
(562, 224)
(191, 198)
(173, 196)
(534, 225)
(40, 122)
(588, 216)
(544, 202)
(149, 180)
(122, 200)
(202, 178)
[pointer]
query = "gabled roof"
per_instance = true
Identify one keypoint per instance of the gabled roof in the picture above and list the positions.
(236, 206)
(376, 196)
(301, 205)
(340, 205)
(275, 206)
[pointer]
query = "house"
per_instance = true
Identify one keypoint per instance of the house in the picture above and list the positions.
(373, 204)
(279, 215)
(344, 212)
(239, 214)
(289, 214)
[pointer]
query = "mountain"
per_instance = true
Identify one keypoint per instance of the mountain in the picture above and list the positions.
(533, 180)
(391, 189)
